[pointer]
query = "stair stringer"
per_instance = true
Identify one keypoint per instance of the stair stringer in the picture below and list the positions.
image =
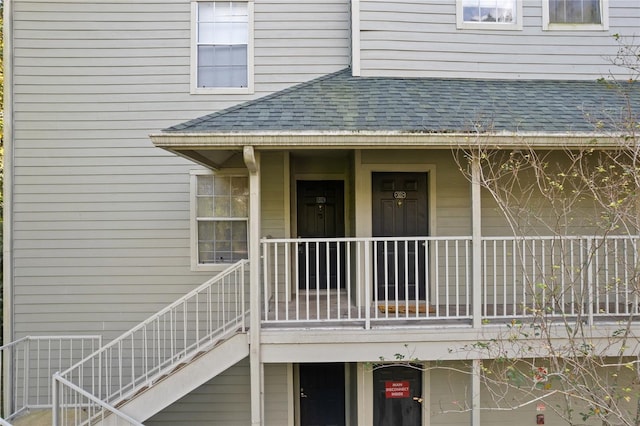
(185, 379)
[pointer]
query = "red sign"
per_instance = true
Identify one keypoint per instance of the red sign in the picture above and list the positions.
(397, 389)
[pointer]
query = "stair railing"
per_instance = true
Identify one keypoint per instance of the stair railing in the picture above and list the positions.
(84, 408)
(132, 362)
(28, 364)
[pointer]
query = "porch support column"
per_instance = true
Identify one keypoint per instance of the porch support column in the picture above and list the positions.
(475, 393)
(252, 161)
(476, 244)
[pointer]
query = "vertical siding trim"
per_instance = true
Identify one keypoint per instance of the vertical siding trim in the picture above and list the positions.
(7, 246)
(291, 387)
(286, 181)
(426, 393)
(355, 38)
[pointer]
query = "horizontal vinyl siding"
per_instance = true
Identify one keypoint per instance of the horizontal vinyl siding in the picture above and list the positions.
(449, 399)
(274, 196)
(277, 395)
(223, 401)
(101, 217)
(420, 39)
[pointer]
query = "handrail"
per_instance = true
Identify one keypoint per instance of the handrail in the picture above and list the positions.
(364, 239)
(194, 322)
(103, 405)
(30, 363)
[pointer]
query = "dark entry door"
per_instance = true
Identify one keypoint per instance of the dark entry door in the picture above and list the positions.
(320, 213)
(400, 210)
(397, 396)
(322, 395)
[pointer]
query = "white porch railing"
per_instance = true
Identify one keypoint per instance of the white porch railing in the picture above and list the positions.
(368, 280)
(132, 362)
(30, 363)
(364, 280)
(584, 277)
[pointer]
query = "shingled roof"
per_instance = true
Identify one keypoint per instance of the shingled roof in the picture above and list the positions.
(343, 103)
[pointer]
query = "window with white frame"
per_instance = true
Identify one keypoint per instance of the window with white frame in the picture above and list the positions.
(575, 14)
(489, 14)
(220, 205)
(222, 45)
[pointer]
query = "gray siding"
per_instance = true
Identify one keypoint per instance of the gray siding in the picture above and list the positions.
(278, 393)
(222, 401)
(101, 230)
(417, 38)
(225, 401)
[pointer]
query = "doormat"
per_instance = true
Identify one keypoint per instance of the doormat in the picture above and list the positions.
(402, 308)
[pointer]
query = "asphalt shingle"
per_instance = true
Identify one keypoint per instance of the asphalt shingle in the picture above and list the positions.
(341, 102)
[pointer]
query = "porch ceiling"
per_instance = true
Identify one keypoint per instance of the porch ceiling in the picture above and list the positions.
(342, 111)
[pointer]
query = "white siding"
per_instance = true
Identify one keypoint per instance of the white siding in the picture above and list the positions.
(101, 229)
(420, 39)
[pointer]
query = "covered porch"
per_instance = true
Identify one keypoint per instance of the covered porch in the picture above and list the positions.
(377, 282)
(436, 275)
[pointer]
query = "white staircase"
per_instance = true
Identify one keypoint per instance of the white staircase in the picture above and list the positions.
(160, 360)
(186, 377)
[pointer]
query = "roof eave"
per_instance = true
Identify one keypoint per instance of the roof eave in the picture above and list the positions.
(175, 141)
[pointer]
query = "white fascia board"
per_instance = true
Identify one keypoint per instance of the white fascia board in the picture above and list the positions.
(378, 140)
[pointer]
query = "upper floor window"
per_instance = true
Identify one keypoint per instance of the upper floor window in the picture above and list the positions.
(222, 48)
(220, 209)
(575, 14)
(489, 14)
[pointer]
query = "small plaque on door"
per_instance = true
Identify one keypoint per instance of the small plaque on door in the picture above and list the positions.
(321, 200)
(398, 389)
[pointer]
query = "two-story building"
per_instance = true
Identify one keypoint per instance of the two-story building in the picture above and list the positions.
(305, 161)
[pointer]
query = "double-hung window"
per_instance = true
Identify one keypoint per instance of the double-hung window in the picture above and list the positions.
(222, 54)
(575, 14)
(489, 14)
(219, 210)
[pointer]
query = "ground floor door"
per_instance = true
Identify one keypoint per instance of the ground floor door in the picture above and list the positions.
(320, 214)
(322, 394)
(400, 210)
(397, 396)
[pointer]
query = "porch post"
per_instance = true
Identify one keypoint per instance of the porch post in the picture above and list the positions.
(252, 161)
(475, 393)
(476, 243)
(476, 236)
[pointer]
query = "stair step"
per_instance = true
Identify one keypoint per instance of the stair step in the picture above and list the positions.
(188, 374)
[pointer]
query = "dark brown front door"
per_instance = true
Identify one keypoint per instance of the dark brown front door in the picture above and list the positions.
(322, 395)
(320, 214)
(400, 210)
(397, 396)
